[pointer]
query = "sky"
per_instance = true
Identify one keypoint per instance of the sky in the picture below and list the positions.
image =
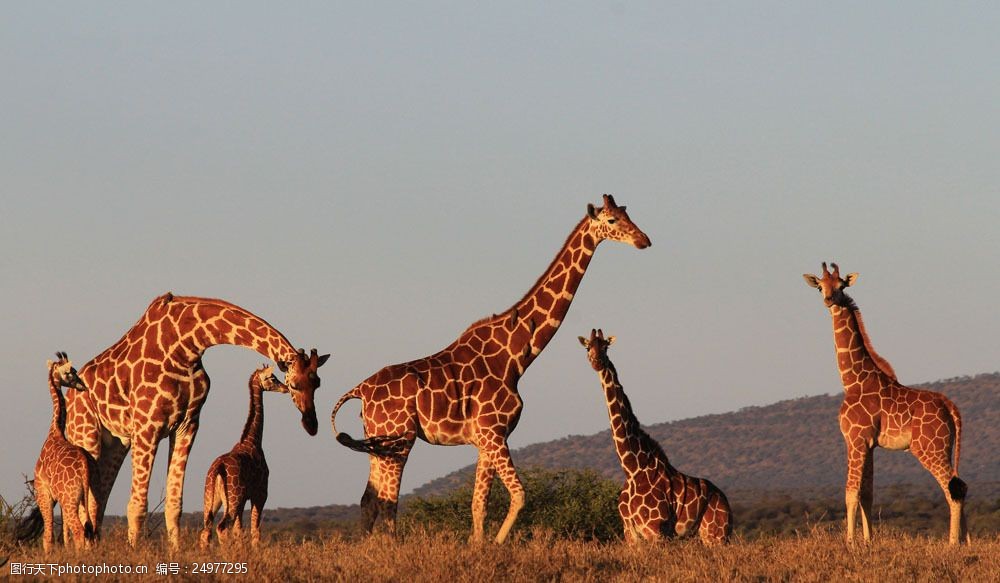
(373, 177)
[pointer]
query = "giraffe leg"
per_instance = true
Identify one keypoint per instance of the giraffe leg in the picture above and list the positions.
(936, 459)
(109, 463)
(631, 534)
(71, 523)
(498, 456)
(867, 493)
(480, 495)
(857, 453)
(256, 510)
(212, 504)
(386, 487)
(45, 506)
(181, 441)
(143, 454)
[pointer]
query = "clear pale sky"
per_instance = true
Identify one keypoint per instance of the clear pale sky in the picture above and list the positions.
(372, 177)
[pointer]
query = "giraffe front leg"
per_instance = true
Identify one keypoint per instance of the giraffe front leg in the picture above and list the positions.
(480, 496)
(857, 453)
(109, 463)
(180, 447)
(867, 493)
(143, 454)
(498, 456)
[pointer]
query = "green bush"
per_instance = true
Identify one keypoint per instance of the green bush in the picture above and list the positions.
(570, 503)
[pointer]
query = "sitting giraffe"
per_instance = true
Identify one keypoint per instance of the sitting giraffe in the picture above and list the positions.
(241, 474)
(64, 471)
(879, 411)
(657, 501)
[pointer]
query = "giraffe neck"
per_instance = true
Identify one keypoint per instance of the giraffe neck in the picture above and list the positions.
(58, 408)
(855, 353)
(185, 327)
(538, 315)
(253, 429)
(629, 437)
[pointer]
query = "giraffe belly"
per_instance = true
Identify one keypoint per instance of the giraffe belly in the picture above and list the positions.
(896, 441)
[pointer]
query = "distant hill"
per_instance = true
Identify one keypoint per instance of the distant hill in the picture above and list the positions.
(788, 445)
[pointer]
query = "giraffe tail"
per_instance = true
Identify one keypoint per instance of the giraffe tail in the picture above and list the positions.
(956, 418)
(382, 445)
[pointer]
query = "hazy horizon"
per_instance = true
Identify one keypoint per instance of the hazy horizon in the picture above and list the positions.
(371, 179)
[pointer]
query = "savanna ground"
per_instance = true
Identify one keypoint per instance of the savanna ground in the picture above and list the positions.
(819, 555)
(569, 530)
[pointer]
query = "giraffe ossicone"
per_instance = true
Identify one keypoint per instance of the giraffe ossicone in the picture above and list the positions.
(151, 384)
(878, 411)
(467, 393)
(657, 501)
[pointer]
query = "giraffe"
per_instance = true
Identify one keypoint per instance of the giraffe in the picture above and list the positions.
(63, 473)
(241, 474)
(467, 393)
(657, 501)
(879, 411)
(151, 384)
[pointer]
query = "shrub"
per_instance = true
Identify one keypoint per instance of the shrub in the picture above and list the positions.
(570, 503)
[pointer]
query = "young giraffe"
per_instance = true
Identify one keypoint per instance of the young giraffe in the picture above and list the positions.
(151, 384)
(879, 411)
(467, 392)
(657, 500)
(241, 474)
(63, 473)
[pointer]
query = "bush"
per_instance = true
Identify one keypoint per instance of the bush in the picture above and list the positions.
(570, 503)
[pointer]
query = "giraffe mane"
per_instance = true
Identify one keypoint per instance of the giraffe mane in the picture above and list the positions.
(538, 282)
(880, 362)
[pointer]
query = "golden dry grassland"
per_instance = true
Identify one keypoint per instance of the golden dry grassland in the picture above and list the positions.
(820, 555)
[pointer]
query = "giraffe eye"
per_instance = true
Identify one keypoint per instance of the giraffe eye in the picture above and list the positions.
(612, 221)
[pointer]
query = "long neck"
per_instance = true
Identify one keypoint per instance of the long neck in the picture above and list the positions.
(538, 315)
(58, 408)
(629, 437)
(253, 429)
(188, 326)
(855, 354)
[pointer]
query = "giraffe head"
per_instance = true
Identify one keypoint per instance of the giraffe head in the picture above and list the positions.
(831, 285)
(611, 222)
(302, 381)
(597, 348)
(264, 378)
(62, 373)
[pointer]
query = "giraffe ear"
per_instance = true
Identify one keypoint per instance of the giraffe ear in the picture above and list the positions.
(811, 279)
(584, 341)
(48, 363)
(322, 360)
(591, 211)
(282, 366)
(611, 340)
(850, 279)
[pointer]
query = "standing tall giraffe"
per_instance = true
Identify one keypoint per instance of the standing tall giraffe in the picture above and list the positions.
(151, 384)
(879, 411)
(64, 472)
(467, 392)
(241, 474)
(657, 500)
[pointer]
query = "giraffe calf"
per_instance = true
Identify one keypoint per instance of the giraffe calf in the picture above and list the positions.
(241, 474)
(657, 501)
(64, 471)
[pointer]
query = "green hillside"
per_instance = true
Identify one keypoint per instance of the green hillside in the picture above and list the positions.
(788, 445)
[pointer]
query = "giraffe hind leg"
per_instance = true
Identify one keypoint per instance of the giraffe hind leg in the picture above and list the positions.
(937, 461)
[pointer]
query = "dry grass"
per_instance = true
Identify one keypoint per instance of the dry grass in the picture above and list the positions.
(818, 556)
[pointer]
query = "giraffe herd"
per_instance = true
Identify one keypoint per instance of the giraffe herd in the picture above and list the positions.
(151, 385)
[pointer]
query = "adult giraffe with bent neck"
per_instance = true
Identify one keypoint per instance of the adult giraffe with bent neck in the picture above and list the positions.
(879, 411)
(467, 392)
(151, 384)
